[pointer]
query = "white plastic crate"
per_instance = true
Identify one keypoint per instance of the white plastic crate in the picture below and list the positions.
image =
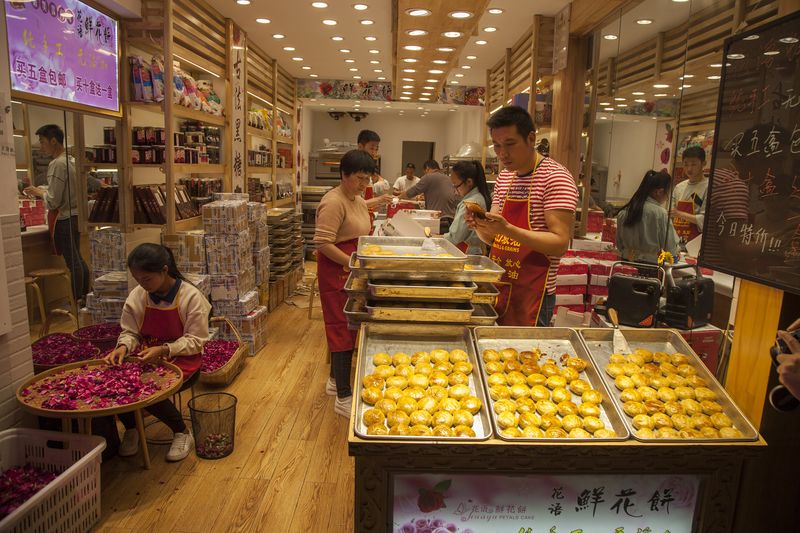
(71, 502)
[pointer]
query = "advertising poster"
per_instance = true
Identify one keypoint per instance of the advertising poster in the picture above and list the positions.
(238, 119)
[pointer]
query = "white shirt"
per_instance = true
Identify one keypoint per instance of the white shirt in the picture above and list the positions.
(403, 183)
(687, 191)
(380, 187)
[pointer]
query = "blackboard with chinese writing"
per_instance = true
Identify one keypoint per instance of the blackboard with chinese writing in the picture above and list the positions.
(752, 223)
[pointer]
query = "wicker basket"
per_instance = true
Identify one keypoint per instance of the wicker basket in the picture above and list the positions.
(227, 372)
(38, 369)
(103, 344)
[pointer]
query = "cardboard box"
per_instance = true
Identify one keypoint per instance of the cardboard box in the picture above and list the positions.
(259, 235)
(572, 279)
(256, 212)
(228, 253)
(189, 249)
(232, 286)
(108, 250)
(261, 260)
(572, 265)
(569, 299)
(112, 285)
(201, 281)
(228, 217)
(705, 342)
(591, 245)
(240, 307)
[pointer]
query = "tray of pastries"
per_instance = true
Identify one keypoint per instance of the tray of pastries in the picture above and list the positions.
(421, 289)
(419, 383)
(476, 269)
(664, 390)
(408, 253)
(542, 385)
(407, 311)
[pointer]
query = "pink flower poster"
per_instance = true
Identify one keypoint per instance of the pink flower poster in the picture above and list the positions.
(433, 503)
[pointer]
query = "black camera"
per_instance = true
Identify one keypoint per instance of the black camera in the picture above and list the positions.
(779, 397)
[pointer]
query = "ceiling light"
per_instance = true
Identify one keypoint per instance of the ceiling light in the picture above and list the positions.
(750, 37)
(381, 77)
(408, 79)
(342, 50)
(297, 59)
(329, 22)
(735, 56)
(446, 49)
(439, 61)
(609, 108)
(622, 105)
(408, 86)
(412, 47)
(416, 33)
(714, 77)
(306, 67)
(367, 22)
(495, 11)
(408, 92)
(660, 86)
(605, 103)
(243, 2)
(490, 29)
(472, 57)
(680, 1)
(314, 75)
(788, 40)
(356, 77)
(637, 93)
(715, 65)
(263, 21)
(420, 108)
(404, 98)
(481, 42)
(289, 48)
(409, 70)
(370, 38)
(278, 36)
(429, 87)
(425, 94)
(771, 53)
(418, 12)
(374, 62)
(466, 67)
(454, 82)
(459, 75)
(319, 5)
(349, 60)
(460, 14)
(619, 99)
(425, 99)
(409, 60)
(451, 34)
(610, 37)
(373, 51)
(356, 105)
(644, 22)
(377, 70)
(687, 76)
(684, 86)
(432, 81)
(436, 71)
(660, 95)
(360, 7)
(640, 100)
(353, 69)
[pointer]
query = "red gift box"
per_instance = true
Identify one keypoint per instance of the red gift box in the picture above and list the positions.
(594, 221)
(599, 290)
(705, 342)
(574, 308)
(571, 265)
(570, 289)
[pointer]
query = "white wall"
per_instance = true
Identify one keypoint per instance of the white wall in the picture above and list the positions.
(463, 126)
(626, 148)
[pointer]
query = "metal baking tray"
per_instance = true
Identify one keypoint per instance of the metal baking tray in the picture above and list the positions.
(552, 342)
(481, 268)
(455, 313)
(599, 343)
(484, 315)
(485, 271)
(421, 290)
(276, 233)
(409, 255)
(486, 293)
(281, 241)
(355, 311)
(411, 338)
(355, 285)
(277, 214)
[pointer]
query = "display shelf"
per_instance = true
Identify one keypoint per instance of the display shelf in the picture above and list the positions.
(257, 171)
(199, 169)
(101, 166)
(289, 200)
(284, 171)
(148, 165)
(147, 226)
(19, 133)
(191, 114)
(188, 223)
(92, 224)
(259, 133)
(150, 107)
(284, 140)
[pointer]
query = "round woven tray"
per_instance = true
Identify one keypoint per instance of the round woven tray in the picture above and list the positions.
(39, 368)
(33, 402)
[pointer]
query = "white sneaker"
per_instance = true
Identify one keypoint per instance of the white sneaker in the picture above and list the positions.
(342, 406)
(330, 387)
(182, 444)
(130, 443)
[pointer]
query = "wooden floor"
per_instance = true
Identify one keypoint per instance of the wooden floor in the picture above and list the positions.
(289, 470)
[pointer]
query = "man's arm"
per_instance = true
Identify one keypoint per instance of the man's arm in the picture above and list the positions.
(420, 187)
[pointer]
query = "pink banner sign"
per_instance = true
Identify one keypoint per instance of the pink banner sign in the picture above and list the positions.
(65, 50)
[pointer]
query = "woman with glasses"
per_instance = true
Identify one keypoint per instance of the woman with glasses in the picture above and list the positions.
(469, 182)
(644, 228)
(342, 217)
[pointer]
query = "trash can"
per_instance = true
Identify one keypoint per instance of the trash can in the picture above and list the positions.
(213, 423)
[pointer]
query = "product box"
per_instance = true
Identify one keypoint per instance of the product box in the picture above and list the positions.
(225, 216)
(232, 286)
(594, 221)
(231, 196)
(252, 323)
(705, 341)
(259, 235)
(228, 253)
(107, 250)
(569, 299)
(572, 265)
(201, 281)
(112, 307)
(591, 245)
(240, 307)
(572, 279)
(256, 212)
(261, 260)
(571, 289)
(86, 317)
(189, 250)
(112, 285)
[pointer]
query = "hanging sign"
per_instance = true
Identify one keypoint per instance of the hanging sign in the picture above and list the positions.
(64, 50)
(237, 115)
(544, 503)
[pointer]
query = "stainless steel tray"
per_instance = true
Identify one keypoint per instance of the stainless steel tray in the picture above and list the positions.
(552, 342)
(486, 293)
(484, 315)
(481, 268)
(485, 271)
(283, 240)
(412, 338)
(407, 254)
(355, 285)
(455, 313)
(355, 311)
(279, 232)
(599, 343)
(421, 290)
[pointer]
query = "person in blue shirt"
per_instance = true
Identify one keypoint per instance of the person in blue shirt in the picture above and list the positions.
(469, 182)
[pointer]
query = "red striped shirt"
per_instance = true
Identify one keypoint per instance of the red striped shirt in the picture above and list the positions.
(729, 204)
(550, 187)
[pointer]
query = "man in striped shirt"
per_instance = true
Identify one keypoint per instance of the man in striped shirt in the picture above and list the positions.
(530, 223)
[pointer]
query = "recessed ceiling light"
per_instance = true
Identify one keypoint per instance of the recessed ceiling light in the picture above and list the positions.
(466, 67)
(454, 82)
(446, 49)
(788, 40)
(373, 51)
(243, 2)
(424, 99)
(420, 108)
(472, 57)
(735, 56)
(429, 87)
(263, 21)
(481, 42)
(342, 50)
(425, 94)
(408, 92)
(356, 105)
(436, 71)
(409, 70)
(367, 22)
(680, 1)
(374, 62)
(370, 38)
(381, 77)
(459, 75)
(417, 33)
(356, 77)
(714, 77)
(278, 36)
(750, 37)
(610, 37)
(495, 11)
(289, 48)
(619, 99)
(354, 69)
(622, 105)
(319, 5)
(329, 22)
(377, 70)
(439, 61)
(609, 108)
(644, 22)
(684, 86)
(404, 98)
(460, 14)
(640, 100)
(314, 75)
(418, 12)
(660, 86)
(306, 67)
(660, 95)
(605, 103)
(687, 76)
(431, 80)
(408, 79)
(360, 7)
(409, 60)
(637, 93)
(297, 59)
(771, 53)
(490, 29)
(715, 65)
(337, 38)
(349, 60)
(408, 86)
(412, 47)
(451, 34)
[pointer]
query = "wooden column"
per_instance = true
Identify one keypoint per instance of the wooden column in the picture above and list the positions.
(169, 123)
(506, 76)
(536, 31)
(568, 94)
(587, 163)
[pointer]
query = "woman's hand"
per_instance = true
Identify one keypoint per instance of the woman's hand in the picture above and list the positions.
(116, 355)
(154, 353)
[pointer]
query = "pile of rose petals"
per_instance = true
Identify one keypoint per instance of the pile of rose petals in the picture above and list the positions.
(60, 349)
(18, 484)
(216, 354)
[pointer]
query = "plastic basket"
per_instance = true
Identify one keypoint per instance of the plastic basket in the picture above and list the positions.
(71, 502)
(226, 373)
(213, 423)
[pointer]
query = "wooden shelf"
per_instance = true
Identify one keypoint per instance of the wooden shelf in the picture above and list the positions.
(152, 107)
(289, 200)
(146, 226)
(148, 165)
(104, 224)
(102, 166)
(261, 134)
(189, 223)
(259, 170)
(191, 114)
(19, 133)
(284, 140)
(284, 171)
(199, 169)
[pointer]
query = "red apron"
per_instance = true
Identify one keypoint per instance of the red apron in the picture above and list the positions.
(463, 246)
(686, 230)
(331, 277)
(52, 218)
(166, 325)
(524, 283)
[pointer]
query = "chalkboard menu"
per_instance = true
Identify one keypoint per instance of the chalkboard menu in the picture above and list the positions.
(752, 223)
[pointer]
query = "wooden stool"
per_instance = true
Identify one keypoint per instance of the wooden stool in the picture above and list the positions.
(33, 283)
(63, 273)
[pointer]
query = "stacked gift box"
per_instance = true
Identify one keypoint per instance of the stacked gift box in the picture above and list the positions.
(108, 251)
(189, 250)
(572, 279)
(257, 222)
(31, 212)
(252, 328)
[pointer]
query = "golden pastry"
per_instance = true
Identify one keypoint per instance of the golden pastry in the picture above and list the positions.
(421, 430)
(371, 395)
(675, 381)
(579, 386)
(495, 367)
(458, 355)
(443, 431)
(570, 374)
(525, 405)
(499, 392)
(401, 358)
(425, 369)
(532, 432)
(520, 391)
(471, 404)
(516, 378)
(673, 408)
(561, 395)
(709, 432)
(679, 359)
(529, 368)
(420, 357)
(465, 367)
(438, 378)
(530, 419)
(681, 421)
(571, 422)
(497, 379)
(529, 356)
(668, 368)
(658, 382)
(653, 406)
(427, 403)
(377, 429)
(539, 392)
(667, 432)
(457, 378)
(641, 380)
(491, 355)
(691, 407)
(381, 359)
(405, 371)
(418, 380)
(696, 381)
(443, 366)
(647, 393)
(556, 382)
(721, 420)
(577, 364)
(593, 424)
(686, 370)
(393, 393)
(592, 396)
(650, 369)
(546, 407)
(617, 359)
(374, 381)
(420, 417)
(684, 393)
(396, 381)
(550, 370)
(400, 429)
(710, 407)
(507, 419)
(508, 353)
(623, 382)
(588, 409)
(555, 433)
(605, 434)
(631, 369)
(614, 370)
(660, 357)
(501, 406)
(464, 431)
(384, 371)
(415, 392)
(451, 405)
(703, 393)
(579, 433)
(437, 392)
(373, 416)
(512, 365)
(645, 433)
(646, 355)
(636, 359)
(536, 379)
(442, 418)
(567, 408)
(550, 421)
(407, 404)
(730, 433)
(386, 405)
(634, 408)
(440, 355)
(630, 395)
(642, 421)
(459, 391)
(700, 421)
(511, 433)
(689, 433)
(665, 394)
(661, 420)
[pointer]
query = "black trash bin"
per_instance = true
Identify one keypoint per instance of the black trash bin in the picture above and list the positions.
(214, 424)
